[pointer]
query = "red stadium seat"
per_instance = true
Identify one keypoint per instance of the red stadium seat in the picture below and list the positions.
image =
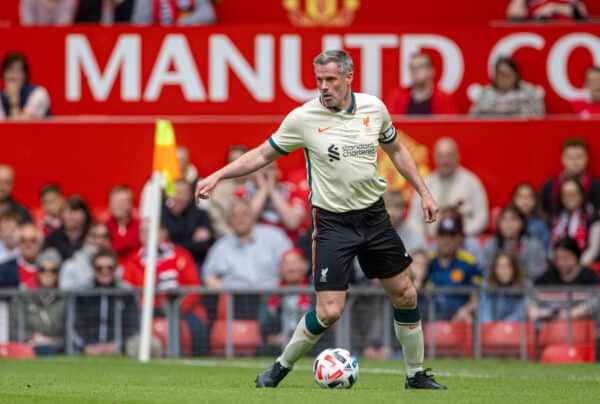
(16, 350)
(160, 329)
(503, 339)
(451, 338)
(246, 337)
(555, 332)
(568, 354)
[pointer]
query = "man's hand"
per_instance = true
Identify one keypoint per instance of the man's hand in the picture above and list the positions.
(206, 186)
(430, 209)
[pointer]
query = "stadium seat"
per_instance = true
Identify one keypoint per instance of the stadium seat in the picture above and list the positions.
(568, 354)
(451, 338)
(503, 339)
(246, 337)
(555, 332)
(160, 329)
(16, 350)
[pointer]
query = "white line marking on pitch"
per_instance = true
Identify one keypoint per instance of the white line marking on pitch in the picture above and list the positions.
(262, 365)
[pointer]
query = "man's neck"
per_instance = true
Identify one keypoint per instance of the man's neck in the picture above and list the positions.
(445, 260)
(123, 221)
(421, 92)
(346, 102)
(73, 234)
(245, 239)
(571, 275)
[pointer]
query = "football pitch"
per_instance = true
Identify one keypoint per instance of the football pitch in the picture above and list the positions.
(124, 380)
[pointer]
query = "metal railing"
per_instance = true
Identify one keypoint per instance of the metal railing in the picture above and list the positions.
(342, 330)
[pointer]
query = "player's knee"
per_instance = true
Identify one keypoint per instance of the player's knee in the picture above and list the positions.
(328, 313)
(406, 299)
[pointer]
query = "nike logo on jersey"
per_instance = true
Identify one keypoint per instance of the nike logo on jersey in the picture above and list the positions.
(321, 130)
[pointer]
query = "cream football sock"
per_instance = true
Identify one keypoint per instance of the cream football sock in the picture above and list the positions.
(308, 331)
(407, 325)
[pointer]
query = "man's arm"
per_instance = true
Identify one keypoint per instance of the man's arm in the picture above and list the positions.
(406, 166)
(249, 162)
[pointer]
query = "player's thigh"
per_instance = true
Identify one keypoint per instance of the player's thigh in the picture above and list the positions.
(330, 305)
(383, 256)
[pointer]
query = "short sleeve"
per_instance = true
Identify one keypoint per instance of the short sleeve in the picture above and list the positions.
(387, 133)
(289, 136)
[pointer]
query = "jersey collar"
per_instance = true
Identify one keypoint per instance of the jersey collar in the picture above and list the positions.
(351, 109)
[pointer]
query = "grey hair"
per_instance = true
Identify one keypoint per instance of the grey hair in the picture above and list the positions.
(342, 58)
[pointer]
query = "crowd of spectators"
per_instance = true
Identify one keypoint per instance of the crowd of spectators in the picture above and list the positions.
(551, 237)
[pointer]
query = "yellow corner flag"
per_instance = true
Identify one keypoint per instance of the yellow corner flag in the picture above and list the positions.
(165, 155)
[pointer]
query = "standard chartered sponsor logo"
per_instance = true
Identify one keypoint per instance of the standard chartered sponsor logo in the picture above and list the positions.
(365, 149)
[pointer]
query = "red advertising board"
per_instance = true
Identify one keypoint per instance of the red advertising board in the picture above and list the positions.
(260, 70)
(90, 156)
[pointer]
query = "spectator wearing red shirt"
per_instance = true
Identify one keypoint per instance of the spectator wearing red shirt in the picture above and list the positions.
(175, 268)
(423, 97)
(31, 241)
(591, 104)
(52, 203)
(123, 225)
(544, 10)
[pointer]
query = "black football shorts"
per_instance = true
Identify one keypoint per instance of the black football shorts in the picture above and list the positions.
(366, 233)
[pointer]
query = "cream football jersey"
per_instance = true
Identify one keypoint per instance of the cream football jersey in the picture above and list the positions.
(340, 149)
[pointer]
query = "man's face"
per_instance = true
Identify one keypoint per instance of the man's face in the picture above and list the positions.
(120, 204)
(183, 158)
(421, 71)
(145, 232)
(53, 203)
(9, 232)
(293, 269)
(6, 183)
(446, 158)
(333, 85)
(182, 198)
(448, 244)
(574, 160)
(73, 219)
(565, 261)
(592, 83)
(99, 237)
(30, 242)
(104, 270)
(241, 219)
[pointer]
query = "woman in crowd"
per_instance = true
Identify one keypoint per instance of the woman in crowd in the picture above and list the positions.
(496, 306)
(576, 219)
(525, 199)
(20, 99)
(508, 95)
(44, 314)
(511, 236)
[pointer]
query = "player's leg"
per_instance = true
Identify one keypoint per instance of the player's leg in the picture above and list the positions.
(407, 326)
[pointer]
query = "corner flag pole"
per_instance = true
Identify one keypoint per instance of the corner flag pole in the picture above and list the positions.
(165, 169)
(150, 270)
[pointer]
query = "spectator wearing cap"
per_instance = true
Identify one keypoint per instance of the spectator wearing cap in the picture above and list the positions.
(423, 97)
(453, 186)
(123, 226)
(566, 270)
(7, 202)
(95, 315)
(590, 104)
(47, 12)
(450, 266)
(76, 222)
(575, 161)
(279, 314)
(53, 203)
(508, 95)
(20, 99)
(511, 236)
(187, 226)
(44, 314)
(78, 272)
(396, 208)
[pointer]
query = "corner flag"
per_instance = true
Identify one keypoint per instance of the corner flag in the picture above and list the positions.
(165, 155)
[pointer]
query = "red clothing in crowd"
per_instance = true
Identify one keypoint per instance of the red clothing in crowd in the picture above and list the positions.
(125, 239)
(585, 107)
(27, 274)
(175, 267)
(441, 102)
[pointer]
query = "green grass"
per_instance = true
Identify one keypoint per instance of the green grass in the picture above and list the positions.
(123, 380)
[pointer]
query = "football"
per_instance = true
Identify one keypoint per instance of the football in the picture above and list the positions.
(335, 368)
